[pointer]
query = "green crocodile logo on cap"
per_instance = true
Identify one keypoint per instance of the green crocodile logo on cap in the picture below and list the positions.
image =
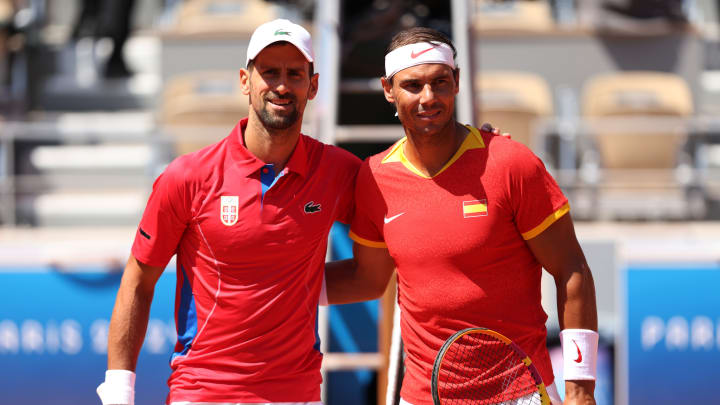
(281, 32)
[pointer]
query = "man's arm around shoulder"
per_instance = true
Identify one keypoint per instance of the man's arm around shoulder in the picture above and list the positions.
(364, 277)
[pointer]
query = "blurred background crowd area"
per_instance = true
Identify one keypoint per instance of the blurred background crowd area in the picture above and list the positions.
(620, 99)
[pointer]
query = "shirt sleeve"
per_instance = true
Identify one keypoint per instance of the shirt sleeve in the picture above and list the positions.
(366, 227)
(346, 187)
(537, 200)
(166, 216)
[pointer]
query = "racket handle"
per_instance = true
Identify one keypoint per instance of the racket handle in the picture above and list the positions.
(395, 362)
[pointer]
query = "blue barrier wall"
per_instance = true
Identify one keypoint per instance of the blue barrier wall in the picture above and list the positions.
(53, 336)
(672, 324)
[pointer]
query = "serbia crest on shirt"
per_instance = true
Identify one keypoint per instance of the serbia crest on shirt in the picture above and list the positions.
(229, 209)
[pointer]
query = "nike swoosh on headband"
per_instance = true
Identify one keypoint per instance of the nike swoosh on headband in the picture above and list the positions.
(415, 55)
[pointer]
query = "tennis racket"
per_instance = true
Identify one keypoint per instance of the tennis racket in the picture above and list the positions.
(481, 367)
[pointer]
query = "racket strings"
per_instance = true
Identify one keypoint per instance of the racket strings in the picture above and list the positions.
(479, 369)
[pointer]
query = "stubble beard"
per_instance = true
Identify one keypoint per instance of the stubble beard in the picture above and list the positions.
(277, 121)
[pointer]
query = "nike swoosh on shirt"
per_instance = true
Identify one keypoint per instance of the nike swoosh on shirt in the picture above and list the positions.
(579, 358)
(415, 55)
(387, 220)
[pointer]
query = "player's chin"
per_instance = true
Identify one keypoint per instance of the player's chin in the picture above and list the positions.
(279, 121)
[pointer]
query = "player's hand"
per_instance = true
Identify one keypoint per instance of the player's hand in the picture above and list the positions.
(487, 127)
(579, 393)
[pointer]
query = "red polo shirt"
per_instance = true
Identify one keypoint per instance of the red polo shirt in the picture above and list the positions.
(250, 251)
(458, 241)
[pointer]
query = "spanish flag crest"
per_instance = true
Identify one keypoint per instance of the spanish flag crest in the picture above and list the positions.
(475, 208)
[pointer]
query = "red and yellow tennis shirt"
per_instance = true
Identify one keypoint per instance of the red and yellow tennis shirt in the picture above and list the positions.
(250, 247)
(458, 241)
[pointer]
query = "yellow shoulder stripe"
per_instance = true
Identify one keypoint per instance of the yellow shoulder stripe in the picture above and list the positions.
(366, 242)
(547, 222)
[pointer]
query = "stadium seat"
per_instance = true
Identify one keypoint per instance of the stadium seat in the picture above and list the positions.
(638, 94)
(208, 104)
(637, 17)
(512, 102)
(224, 16)
(637, 138)
(512, 16)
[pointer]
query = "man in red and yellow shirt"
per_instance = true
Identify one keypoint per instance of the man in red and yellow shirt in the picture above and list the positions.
(248, 219)
(469, 219)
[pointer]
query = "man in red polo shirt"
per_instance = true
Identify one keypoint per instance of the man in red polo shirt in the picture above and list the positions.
(469, 219)
(248, 218)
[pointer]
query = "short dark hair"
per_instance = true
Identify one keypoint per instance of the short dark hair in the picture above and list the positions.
(419, 34)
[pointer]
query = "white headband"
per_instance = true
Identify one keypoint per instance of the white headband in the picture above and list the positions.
(417, 54)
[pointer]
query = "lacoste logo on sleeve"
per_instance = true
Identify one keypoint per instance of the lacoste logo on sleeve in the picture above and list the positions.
(579, 357)
(311, 207)
(415, 55)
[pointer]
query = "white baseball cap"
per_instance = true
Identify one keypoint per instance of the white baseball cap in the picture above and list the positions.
(276, 31)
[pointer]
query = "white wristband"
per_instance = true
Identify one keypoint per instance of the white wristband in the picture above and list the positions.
(323, 293)
(118, 388)
(579, 348)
